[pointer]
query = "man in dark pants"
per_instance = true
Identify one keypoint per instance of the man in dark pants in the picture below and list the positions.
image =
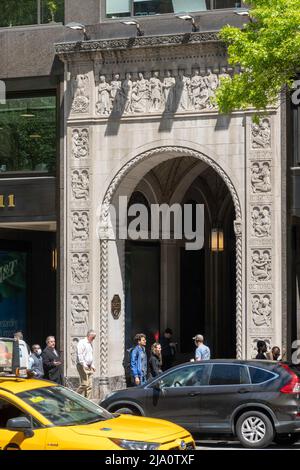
(168, 349)
(52, 362)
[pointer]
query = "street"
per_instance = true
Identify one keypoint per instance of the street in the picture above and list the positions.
(221, 444)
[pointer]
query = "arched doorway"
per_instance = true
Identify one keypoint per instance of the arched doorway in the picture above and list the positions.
(112, 250)
(202, 281)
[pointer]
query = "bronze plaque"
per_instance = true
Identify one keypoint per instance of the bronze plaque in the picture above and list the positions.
(116, 306)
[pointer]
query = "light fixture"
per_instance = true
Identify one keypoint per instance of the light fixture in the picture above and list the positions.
(244, 12)
(78, 27)
(54, 259)
(139, 32)
(217, 240)
(35, 136)
(27, 115)
(191, 19)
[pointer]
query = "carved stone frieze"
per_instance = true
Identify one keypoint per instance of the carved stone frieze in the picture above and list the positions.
(261, 309)
(136, 42)
(80, 184)
(261, 134)
(261, 268)
(261, 221)
(80, 94)
(80, 268)
(157, 92)
(73, 350)
(80, 226)
(261, 177)
(80, 143)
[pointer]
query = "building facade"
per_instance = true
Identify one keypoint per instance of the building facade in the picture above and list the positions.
(136, 119)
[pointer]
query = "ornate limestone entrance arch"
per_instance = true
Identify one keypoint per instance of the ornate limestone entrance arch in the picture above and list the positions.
(164, 151)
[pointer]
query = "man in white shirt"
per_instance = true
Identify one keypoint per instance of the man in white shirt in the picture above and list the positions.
(202, 352)
(85, 364)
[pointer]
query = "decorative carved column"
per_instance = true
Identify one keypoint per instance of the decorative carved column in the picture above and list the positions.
(262, 236)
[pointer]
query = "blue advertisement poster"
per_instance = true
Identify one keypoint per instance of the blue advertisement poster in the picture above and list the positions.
(13, 292)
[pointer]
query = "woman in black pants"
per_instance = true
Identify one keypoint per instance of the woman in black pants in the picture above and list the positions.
(155, 361)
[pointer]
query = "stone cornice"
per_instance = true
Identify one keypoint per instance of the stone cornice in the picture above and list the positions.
(144, 42)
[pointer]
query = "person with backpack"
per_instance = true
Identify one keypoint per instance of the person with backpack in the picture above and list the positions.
(138, 360)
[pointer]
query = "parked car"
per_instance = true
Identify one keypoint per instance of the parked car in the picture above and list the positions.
(41, 415)
(256, 401)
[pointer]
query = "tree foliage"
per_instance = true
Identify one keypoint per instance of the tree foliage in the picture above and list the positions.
(267, 48)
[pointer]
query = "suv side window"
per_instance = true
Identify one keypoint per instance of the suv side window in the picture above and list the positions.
(229, 374)
(191, 376)
(259, 376)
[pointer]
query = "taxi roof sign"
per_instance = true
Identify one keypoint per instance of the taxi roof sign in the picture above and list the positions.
(9, 356)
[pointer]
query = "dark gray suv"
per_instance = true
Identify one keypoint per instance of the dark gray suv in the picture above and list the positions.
(256, 401)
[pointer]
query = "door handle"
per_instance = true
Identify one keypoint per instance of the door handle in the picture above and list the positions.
(194, 394)
(243, 390)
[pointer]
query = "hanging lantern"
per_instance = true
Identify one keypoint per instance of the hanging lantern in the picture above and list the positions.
(217, 240)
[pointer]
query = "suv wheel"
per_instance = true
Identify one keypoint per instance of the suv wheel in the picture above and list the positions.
(254, 429)
(124, 411)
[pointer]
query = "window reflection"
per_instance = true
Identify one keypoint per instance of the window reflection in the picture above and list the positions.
(28, 135)
(30, 12)
(119, 8)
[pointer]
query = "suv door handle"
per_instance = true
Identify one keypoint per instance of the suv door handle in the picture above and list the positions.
(193, 394)
(243, 390)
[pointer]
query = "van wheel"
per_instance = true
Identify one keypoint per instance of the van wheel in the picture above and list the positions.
(255, 430)
(125, 411)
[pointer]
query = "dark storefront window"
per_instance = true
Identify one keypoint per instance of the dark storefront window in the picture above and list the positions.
(28, 134)
(29, 12)
(119, 8)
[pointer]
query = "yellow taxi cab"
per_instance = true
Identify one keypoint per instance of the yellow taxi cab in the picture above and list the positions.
(38, 414)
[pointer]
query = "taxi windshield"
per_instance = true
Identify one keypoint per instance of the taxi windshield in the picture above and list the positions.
(62, 407)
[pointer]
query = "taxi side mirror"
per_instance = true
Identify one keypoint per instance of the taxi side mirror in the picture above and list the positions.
(20, 424)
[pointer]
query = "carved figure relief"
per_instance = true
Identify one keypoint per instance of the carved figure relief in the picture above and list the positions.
(261, 177)
(167, 92)
(80, 226)
(261, 310)
(73, 351)
(103, 105)
(80, 268)
(80, 143)
(168, 85)
(81, 100)
(261, 221)
(80, 184)
(261, 134)
(80, 310)
(261, 265)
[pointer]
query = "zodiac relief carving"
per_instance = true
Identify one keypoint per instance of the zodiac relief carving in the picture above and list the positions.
(261, 134)
(261, 265)
(80, 143)
(80, 226)
(80, 268)
(261, 177)
(79, 310)
(261, 310)
(168, 92)
(79, 86)
(261, 221)
(80, 184)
